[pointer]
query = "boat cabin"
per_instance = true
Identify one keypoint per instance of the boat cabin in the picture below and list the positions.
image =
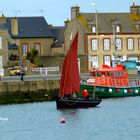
(109, 76)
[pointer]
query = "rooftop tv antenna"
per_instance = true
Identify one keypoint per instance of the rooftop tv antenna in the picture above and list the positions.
(16, 12)
(3, 11)
(41, 12)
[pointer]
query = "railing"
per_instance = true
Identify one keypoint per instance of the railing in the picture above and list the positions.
(44, 71)
(114, 82)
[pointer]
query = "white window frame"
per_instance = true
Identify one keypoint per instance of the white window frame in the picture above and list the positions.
(117, 28)
(94, 61)
(119, 43)
(93, 28)
(1, 62)
(107, 60)
(24, 48)
(94, 44)
(0, 42)
(106, 44)
(130, 43)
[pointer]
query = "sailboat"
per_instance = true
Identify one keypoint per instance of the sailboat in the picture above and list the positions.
(70, 82)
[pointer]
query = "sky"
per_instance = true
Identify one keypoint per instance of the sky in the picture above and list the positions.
(57, 11)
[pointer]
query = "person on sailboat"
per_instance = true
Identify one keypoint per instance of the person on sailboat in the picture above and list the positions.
(85, 94)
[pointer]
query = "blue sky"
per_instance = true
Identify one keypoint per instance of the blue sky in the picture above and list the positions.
(57, 11)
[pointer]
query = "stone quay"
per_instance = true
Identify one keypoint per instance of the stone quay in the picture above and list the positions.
(28, 91)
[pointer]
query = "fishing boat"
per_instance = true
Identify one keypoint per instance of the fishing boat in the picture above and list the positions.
(70, 82)
(111, 82)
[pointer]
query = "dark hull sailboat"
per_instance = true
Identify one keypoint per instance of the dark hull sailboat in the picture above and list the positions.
(70, 82)
(77, 103)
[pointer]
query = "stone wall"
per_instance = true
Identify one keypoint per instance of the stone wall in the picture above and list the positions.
(28, 91)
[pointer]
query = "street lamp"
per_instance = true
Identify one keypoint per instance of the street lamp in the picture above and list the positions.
(96, 17)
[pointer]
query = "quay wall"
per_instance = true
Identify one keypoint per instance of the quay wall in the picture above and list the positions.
(28, 91)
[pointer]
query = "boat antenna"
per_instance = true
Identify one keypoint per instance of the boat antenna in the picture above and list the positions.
(115, 45)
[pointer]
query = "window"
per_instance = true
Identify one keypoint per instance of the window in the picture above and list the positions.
(130, 43)
(139, 43)
(117, 28)
(94, 29)
(94, 45)
(137, 27)
(37, 46)
(94, 61)
(106, 44)
(118, 44)
(0, 42)
(0, 61)
(24, 48)
(107, 60)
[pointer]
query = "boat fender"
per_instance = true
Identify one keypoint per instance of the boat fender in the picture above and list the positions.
(125, 91)
(62, 120)
(136, 91)
(117, 90)
(130, 90)
(110, 90)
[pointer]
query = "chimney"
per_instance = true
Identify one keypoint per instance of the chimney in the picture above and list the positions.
(135, 9)
(14, 26)
(74, 12)
(66, 22)
(2, 20)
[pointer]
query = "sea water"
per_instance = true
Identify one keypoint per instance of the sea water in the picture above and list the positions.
(113, 119)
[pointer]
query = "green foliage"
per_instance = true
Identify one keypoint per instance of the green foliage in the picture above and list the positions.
(34, 52)
(31, 55)
(40, 65)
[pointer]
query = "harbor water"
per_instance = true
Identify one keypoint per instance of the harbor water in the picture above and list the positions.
(113, 119)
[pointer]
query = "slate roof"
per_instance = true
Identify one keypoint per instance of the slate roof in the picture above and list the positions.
(2, 27)
(105, 21)
(31, 27)
(58, 32)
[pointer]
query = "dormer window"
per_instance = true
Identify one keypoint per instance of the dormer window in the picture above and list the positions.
(94, 29)
(137, 27)
(118, 28)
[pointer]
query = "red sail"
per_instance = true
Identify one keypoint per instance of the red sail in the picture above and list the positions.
(70, 79)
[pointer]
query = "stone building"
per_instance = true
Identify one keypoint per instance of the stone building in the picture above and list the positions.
(19, 35)
(104, 37)
(3, 42)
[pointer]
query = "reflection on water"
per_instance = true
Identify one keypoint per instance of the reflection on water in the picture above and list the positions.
(113, 119)
(70, 113)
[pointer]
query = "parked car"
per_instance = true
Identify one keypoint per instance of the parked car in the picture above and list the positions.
(16, 70)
